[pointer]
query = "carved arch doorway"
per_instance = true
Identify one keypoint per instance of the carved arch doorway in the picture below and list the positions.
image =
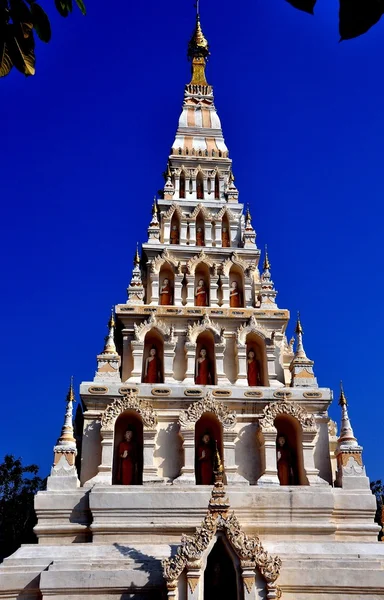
(222, 576)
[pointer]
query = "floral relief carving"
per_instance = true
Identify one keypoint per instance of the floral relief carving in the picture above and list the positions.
(283, 407)
(231, 216)
(189, 417)
(201, 208)
(203, 325)
(251, 327)
(152, 323)
(172, 209)
(199, 258)
(129, 402)
(160, 259)
(235, 260)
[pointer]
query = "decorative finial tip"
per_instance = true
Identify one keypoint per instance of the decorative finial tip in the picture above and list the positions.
(299, 329)
(71, 393)
(267, 264)
(342, 399)
(111, 322)
(136, 260)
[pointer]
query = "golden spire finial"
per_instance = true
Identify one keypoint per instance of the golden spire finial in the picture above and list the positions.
(342, 399)
(154, 207)
(198, 52)
(71, 393)
(267, 264)
(111, 322)
(299, 329)
(136, 260)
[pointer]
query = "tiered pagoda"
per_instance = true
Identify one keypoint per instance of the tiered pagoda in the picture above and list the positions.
(203, 463)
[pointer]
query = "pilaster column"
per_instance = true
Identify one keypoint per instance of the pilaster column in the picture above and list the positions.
(154, 283)
(233, 228)
(309, 459)
(225, 289)
(166, 230)
(137, 356)
(104, 470)
(230, 466)
(271, 364)
(149, 468)
(194, 581)
(169, 355)
(242, 378)
(220, 375)
(208, 233)
(192, 233)
(270, 472)
(190, 349)
(190, 290)
(178, 289)
(188, 470)
(248, 291)
(183, 232)
(171, 590)
(248, 578)
(177, 185)
(218, 226)
(272, 591)
(213, 290)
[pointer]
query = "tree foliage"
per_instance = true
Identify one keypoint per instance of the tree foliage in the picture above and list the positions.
(355, 16)
(19, 22)
(377, 488)
(18, 486)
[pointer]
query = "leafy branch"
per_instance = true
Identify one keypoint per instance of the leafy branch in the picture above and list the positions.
(19, 21)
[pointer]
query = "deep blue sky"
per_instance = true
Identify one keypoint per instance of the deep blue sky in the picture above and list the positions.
(85, 141)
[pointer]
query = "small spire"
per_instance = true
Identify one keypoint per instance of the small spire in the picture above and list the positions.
(298, 329)
(342, 398)
(67, 435)
(136, 260)
(198, 52)
(231, 176)
(71, 393)
(110, 347)
(267, 264)
(168, 172)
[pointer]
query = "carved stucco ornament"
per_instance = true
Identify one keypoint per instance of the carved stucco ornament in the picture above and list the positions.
(249, 549)
(152, 323)
(292, 409)
(202, 257)
(219, 216)
(129, 402)
(205, 324)
(252, 326)
(160, 259)
(172, 209)
(189, 417)
(235, 260)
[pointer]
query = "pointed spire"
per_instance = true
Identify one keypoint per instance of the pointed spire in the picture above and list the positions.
(346, 437)
(136, 260)
(136, 289)
(67, 435)
(298, 328)
(267, 264)
(110, 346)
(198, 52)
(301, 366)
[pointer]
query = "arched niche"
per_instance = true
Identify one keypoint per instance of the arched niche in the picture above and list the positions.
(206, 340)
(128, 420)
(236, 275)
(182, 187)
(290, 428)
(256, 343)
(222, 574)
(202, 274)
(225, 232)
(199, 186)
(174, 236)
(208, 424)
(166, 290)
(217, 187)
(200, 229)
(153, 339)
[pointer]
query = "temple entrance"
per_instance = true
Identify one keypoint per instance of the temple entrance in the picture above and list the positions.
(128, 449)
(220, 577)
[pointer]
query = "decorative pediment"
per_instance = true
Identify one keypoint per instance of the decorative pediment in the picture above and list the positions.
(152, 323)
(160, 259)
(231, 216)
(235, 260)
(284, 407)
(201, 208)
(175, 208)
(249, 549)
(205, 324)
(199, 258)
(189, 417)
(129, 402)
(251, 327)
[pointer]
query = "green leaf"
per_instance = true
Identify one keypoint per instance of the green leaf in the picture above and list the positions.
(22, 48)
(41, 22)
(81, 5)
(305, 5)
(62, 8)
(6, 63)
(20, 12)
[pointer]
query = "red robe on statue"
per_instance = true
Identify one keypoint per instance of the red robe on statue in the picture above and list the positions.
(205, 464)
(152, 375)
(201, 296)
(203, 376)
(235, 298)
(165, 295)
(127, 466)
(253, 373)
(284, 465)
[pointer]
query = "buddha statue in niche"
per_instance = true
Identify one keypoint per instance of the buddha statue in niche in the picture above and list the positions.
(152, 372)
(165, 292)
(127, 452)
(174, 235)
(201, 294)
(235, 296)
(200, 237)
(225, 241)
(253, 372)
(205, 460)
(203, 372)
(284, 461)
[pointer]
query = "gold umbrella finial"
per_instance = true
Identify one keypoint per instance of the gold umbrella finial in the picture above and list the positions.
(111, 322)
(136, 260)
(342, 399)
(299, 329)
(267, 264)
(71, 393)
